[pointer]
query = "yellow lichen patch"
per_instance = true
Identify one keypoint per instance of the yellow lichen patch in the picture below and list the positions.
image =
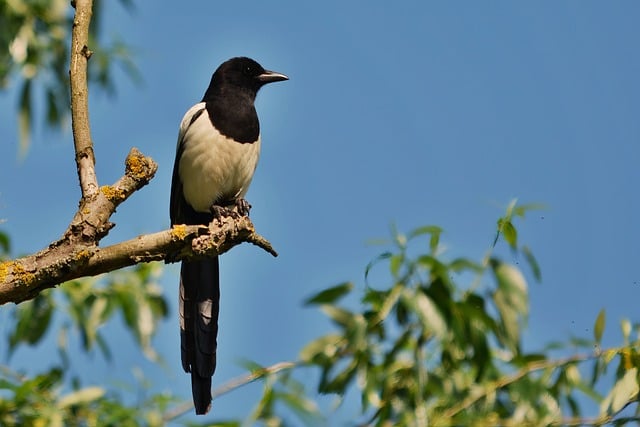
(136, 166)
(112, 193)
(179, 231)
(21, 274)
(82, 255)
(4, 270)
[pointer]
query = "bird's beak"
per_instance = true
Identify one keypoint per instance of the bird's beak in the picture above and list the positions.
(271, 76)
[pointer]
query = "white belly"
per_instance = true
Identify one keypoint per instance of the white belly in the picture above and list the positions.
(213, 168)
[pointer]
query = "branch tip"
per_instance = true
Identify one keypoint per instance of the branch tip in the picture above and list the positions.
(140, 167)
(261, 242)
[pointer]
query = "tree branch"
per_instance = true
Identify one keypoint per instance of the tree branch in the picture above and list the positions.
(231, 385)
(77, 253)
(80, 54)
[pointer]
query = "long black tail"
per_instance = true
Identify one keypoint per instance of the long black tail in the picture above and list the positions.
(199, 306)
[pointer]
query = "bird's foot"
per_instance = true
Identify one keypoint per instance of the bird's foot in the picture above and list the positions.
(243, 207)
(236, 209)
(220, 212)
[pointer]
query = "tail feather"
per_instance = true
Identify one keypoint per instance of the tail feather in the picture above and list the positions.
(199, 307)
(185, 304)
(201, 391)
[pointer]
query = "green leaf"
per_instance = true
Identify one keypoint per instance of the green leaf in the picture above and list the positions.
(510, 234)
(433, 230)
(7, 385)
(83, 396)
(250, 365)
(382, 256)
(510, 207)
(598, 327)
(5, 243)
(33, 320)
(464, 264)
(624, 390)
(521, 210)
(395, 263)
(533, 263)
(53, 113)
(511, 300)
(625, 325)
(321, 350)
(342, 317)
(513, 284)
(305, 408)
(430, 317)
(399, 239)
(145, 327)
(374, 298)
(573, 405)
(104, 347)
(340, 382)
(509, 320)
(330, 295)
(24, 116)
(427, 229)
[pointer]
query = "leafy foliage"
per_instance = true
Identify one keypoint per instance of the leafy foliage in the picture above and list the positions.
(84, 306)
(425, 350)
(34, 51)
(432, 342)
(41, 401)
(92, 302)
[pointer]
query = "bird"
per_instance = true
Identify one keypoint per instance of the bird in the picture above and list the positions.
(216, 157)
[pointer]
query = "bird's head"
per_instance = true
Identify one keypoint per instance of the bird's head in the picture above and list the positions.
(244, 73)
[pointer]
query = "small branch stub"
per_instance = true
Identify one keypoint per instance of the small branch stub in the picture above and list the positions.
(86, 52)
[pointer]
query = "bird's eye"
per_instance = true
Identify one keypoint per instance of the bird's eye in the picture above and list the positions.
(247, 70)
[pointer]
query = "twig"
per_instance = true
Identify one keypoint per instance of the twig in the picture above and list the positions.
(505, 381)
(231, 385)
(445, 418)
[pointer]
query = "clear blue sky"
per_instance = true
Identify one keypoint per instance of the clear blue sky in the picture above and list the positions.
(413, 112)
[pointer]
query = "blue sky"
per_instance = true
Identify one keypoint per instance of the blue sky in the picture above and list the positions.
(411, 113)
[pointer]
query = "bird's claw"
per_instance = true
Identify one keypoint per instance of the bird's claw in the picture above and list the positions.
(220, 212)
(234, 210)
(243, 207)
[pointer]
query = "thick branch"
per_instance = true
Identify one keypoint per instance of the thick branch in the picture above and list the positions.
(80, 53)
(24, 278)
(77, 253)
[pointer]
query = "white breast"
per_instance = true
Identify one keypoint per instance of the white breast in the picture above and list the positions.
(213, 166)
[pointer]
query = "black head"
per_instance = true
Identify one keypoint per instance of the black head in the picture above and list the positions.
(242, 73)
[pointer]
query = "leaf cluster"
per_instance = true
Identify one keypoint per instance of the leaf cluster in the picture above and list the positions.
(81, 308)
(34, 55)
(44, 400)
(91, 303)
(440, 344)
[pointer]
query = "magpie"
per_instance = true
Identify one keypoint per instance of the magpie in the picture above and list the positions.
(217, 154)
